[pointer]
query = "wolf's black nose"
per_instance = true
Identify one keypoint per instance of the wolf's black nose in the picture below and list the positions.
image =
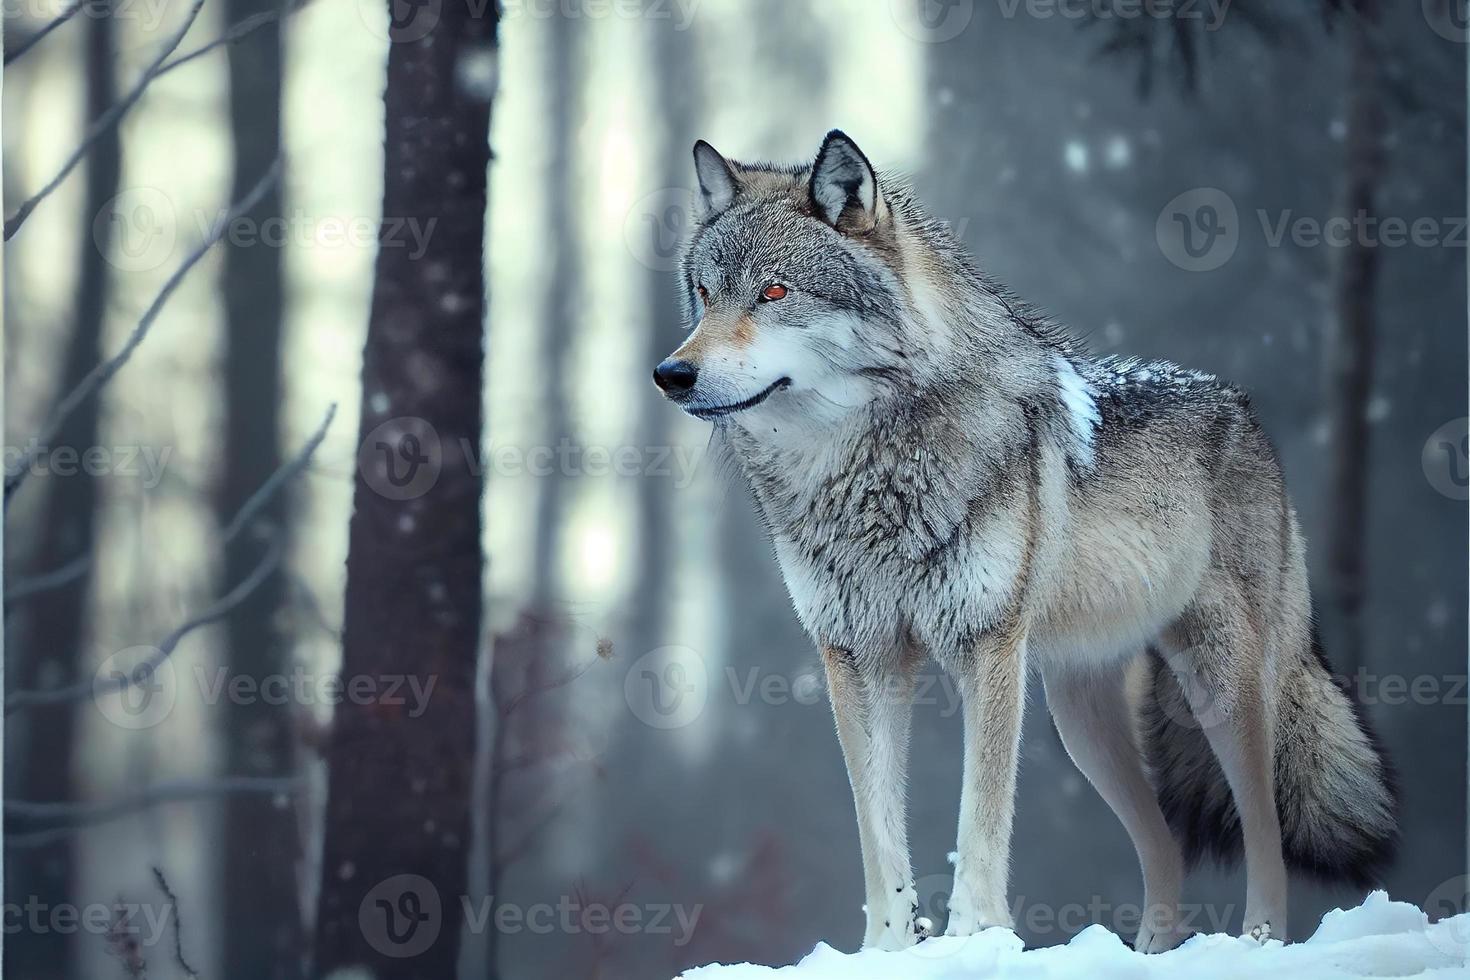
(675, 377)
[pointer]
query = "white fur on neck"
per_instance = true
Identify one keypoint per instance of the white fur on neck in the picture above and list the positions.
(1080, 401)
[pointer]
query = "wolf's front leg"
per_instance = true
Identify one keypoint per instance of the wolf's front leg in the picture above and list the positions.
(873, 708)
(993, 685)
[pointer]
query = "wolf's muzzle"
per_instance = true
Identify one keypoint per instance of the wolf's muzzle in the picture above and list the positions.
(675, 377)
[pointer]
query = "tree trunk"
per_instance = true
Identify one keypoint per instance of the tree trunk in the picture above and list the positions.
(676, 79)
(259, 875)
(56, 619)
(1350, 371)
(563, 282)
(397, 823)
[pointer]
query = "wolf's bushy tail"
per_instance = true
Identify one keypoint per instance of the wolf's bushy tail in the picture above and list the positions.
(1335, 791)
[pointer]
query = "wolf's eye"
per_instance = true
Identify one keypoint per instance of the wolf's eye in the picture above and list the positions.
(773, 292)
(703, 295)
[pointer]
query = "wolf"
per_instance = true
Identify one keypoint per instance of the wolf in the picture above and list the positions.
(945, 474)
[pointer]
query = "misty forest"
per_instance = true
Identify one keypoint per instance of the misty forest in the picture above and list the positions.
(368, 613)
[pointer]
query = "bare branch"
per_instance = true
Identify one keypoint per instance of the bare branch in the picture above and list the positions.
(173, 790)
(80, 815)
(46, 581)
(173, 901)
(36, 38)
(509, 855)
(509, 706)
(102, 123)
(313, 608)
(243, 28)
(77, 567)
(530, 760)
(222, 607)
(279, 478)
(104, 372)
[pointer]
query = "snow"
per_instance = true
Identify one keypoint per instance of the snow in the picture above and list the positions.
(1380, 938)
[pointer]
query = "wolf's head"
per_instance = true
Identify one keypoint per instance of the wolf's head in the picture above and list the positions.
(794, 286)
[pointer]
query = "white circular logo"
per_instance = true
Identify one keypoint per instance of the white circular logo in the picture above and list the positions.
(1450, 900)
(932, 21)
(1450, 19)
(657, 226)
(401, 459)
(1199, 230)
(1190, 703)
(667, 688)
(136, 231)
(135, 688)
(1446, 459)
(407, 20)
(402, 916)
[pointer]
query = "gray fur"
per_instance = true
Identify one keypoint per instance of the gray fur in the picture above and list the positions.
(945, 474)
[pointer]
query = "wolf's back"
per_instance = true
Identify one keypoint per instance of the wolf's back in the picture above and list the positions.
(1335, 791)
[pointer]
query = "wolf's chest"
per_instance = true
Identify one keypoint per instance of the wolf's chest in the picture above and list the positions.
(864, 583)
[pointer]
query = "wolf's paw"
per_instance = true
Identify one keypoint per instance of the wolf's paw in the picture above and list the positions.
(1259, 933)
(1161, 939)
(962, 922)
(969, 925)
(967, 916)
(900, 926)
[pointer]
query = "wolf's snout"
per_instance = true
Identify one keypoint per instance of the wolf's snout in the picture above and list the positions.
(675, 377)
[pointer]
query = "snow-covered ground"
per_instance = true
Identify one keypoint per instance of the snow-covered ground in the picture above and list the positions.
(1380, 938)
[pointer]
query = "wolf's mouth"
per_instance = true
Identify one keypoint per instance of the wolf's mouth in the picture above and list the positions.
(714, 412)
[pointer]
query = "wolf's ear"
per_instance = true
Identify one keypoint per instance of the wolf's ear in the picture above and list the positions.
(845, 186)
(717, 182)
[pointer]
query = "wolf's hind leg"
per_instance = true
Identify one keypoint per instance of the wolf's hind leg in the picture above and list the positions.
(1220, 664)
(873, 714)
(1097, 727)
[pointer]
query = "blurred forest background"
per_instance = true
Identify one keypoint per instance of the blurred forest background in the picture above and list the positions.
(621, 712)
